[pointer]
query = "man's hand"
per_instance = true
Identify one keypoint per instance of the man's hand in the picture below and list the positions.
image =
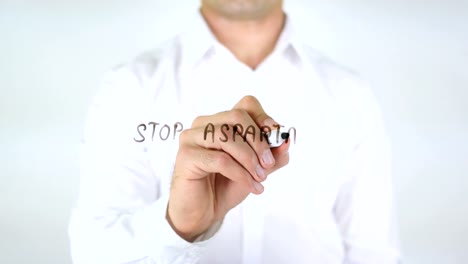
(210, 178)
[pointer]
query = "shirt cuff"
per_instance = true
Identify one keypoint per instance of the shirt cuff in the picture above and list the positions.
(161, 242)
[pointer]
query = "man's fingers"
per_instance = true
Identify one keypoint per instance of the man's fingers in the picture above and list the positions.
(203, 161)
(232, 144)
(281, 155)
(223, 125)
(243, 124)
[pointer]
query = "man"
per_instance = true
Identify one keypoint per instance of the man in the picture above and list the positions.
(215, 193)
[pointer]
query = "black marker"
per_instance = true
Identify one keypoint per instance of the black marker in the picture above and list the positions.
(276, 140)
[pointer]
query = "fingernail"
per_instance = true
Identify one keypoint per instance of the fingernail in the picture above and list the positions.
(260, 172)
(268, 157)
(258, 186)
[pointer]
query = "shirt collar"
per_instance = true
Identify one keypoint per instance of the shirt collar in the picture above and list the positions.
(198, 41)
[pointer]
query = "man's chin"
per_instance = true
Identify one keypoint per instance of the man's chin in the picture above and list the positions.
(243, 9)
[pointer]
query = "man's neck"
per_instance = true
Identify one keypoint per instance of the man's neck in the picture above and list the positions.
(251, 41)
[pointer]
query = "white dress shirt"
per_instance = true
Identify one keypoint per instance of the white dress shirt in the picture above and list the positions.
(331, 204)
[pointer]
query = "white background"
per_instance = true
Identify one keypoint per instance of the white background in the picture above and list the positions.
(415, 53)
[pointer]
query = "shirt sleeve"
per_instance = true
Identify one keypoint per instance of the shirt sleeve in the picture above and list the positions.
(120, 216)
(364, 210)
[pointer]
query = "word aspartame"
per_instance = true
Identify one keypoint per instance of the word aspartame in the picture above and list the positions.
(164, 131)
